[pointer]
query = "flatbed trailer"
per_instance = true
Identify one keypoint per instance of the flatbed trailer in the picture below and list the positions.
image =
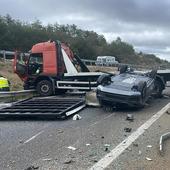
(45, 107)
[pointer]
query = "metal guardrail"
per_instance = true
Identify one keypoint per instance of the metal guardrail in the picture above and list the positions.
(5, 53)
(14, 94)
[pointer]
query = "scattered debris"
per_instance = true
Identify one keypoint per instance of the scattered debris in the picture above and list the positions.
(127, 129)
(149, 146)
(129, 149)
(95, 160)
(91, 99)
(130, 117)
(140, 152)
(168, 111)
(21, 141)
(76, 117)
(72, 148)
(106, 147)
(60, 131)
(148, 159)
(46, 159)
(87, 144)
(32, 167)
(162, 139)
(135, 144)
(68, 161)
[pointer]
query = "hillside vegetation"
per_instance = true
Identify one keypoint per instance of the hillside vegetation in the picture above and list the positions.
(18, 35)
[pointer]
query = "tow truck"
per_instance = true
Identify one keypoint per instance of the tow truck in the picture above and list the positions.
(52, 68)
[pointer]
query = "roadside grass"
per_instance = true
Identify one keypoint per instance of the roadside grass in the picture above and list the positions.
(6, 70)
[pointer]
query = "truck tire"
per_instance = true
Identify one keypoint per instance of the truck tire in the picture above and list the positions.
(104, 79)
(45, 88)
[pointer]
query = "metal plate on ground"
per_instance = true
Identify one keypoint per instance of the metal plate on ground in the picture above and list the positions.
(58, 107)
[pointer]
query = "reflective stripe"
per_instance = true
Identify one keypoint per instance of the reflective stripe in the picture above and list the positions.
(3, 82)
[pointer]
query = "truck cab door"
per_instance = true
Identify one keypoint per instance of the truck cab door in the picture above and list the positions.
(20, 65)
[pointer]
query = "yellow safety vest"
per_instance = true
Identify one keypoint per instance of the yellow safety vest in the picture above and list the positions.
(3, 82)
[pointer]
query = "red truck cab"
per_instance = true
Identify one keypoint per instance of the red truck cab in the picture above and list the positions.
(50, 66)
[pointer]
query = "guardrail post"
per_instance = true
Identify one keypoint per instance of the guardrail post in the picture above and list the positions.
(4, 55)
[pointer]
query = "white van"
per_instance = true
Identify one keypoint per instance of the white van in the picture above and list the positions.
(106, 61)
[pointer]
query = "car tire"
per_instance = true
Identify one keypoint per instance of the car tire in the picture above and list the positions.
(123, 69)
(45, 88)
(158, 89)
(152, 74)
(104, 79)
(142, 86)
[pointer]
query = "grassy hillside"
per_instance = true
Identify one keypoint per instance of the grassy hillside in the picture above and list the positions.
(6, 70)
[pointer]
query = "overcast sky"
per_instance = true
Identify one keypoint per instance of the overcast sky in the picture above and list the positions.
(143, 23)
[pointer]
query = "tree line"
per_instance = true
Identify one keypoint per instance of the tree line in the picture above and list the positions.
(15, 34)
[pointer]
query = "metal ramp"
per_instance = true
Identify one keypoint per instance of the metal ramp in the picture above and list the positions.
(57, 107)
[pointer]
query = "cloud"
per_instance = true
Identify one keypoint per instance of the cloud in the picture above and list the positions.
(143, 23)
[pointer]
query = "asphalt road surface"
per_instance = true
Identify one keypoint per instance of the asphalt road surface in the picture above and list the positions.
(43, 144)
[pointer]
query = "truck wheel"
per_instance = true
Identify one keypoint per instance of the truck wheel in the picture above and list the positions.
(158, 89)
(104, 79)
(44, 88)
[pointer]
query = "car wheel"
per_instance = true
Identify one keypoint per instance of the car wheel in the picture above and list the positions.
(44, 88)
(158, 89)
(152, 74)
(143, 89)
(104, 79)
(123, 69)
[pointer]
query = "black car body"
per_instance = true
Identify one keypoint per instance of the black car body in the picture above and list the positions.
(131, 88)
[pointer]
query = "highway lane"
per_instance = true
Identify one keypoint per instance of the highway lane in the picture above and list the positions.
(25, 143)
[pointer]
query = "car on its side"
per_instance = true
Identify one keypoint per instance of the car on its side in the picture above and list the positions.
(129, 87)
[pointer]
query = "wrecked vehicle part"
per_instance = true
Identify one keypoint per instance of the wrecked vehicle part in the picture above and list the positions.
(162, 139)
(131, 88)
(91, 99)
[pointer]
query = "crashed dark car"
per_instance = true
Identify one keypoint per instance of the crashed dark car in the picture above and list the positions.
(129, 87)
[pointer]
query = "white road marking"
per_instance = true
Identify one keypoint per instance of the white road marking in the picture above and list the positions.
(110, 157)
(33, 137)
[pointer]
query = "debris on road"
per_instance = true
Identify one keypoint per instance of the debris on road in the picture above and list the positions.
(128, 129)
(135, 144)
(32, 167)
(46, 159)
(162, 139)
(60, 131)
(72, 148)
(130, 117)
(140, 152)
(68, 161)
(91, 99)
(168, 111)
(21, 141)
(106, 147)
(76, 117)
(87, 144)
(148, 159)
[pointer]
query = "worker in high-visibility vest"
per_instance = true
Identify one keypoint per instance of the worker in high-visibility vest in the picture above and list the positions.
(4, 84)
